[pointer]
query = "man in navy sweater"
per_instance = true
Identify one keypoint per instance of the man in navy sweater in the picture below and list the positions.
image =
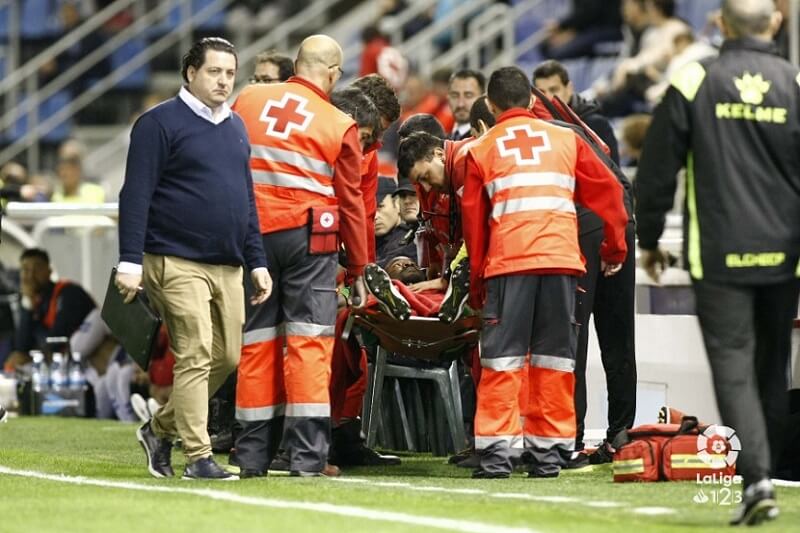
(187, 225)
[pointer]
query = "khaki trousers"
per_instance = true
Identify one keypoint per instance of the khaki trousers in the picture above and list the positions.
(203, 308)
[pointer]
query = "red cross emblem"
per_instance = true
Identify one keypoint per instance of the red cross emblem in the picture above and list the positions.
(524, 144)
(286, 115)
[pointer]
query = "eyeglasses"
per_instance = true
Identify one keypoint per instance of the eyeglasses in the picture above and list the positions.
(337, 67)
(264, 79)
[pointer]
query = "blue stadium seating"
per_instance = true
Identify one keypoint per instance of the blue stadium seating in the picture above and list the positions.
(39, 19)
(47, 109)
(140, 77)
(173, 20)
(695, 12)
(3, 22)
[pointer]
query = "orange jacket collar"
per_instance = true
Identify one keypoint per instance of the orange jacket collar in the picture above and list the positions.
(310, 85)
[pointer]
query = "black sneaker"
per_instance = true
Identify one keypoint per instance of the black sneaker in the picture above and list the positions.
(158, 452)
(222, 442)
(460, 456)
(471, 461)
(3, 415)
(602, 455)
(381, 287)
(543, 475)
(249, 474)
(207, 468)
(280, 462)
(580, 460)
(457, 293)
(480, 473)
(758, 505)
(363, 456)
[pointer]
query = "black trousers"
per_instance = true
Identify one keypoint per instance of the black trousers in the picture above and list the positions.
(747, 333)
(611, 300)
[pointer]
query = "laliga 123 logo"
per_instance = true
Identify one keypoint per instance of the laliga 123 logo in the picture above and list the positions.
(718, 446)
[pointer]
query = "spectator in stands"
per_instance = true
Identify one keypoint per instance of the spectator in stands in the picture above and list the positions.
(630, 79)
(552, 79)
(440, 89)
(390, 232)
(465, 87)
(47, 309)
(374, 41)
(16, 186)
(407, 200)
(272, 67)
(72, 186)
(188, 226)
(742, 228)
(421, 122)
(609, 299)
(686, 49)
(589, 23)
(633, 131)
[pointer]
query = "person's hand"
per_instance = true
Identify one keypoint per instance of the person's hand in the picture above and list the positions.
(654, 262)
(438, 284)
(609, 269)
(358, 298)
(16, 360)
(262, 282)
(129, 285)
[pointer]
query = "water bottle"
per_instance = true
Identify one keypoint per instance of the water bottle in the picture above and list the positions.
(77, 379)
(39, 376)
(58, 372)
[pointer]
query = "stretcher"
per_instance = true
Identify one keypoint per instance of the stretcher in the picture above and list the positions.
(418, 338)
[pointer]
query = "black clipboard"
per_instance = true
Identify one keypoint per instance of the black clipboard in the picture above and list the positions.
(134, 325)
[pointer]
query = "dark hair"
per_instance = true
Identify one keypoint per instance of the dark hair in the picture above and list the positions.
(509, 87)
(666, 7)
(372, 32)
(466, 73)
(480, 111)
(352, 101)
(442, 75)
(421, 122)
(382, 95)
(35, 253)
(196, 55)
(550, 68)
(284, 63)
(418, 146)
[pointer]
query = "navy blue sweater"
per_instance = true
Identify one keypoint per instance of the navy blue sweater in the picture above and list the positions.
(188, 190)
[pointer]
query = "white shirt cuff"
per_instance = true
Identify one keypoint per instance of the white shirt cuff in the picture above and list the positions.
(125, 267)
(259, 269)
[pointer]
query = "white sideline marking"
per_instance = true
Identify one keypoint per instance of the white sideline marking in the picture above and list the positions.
(786, 483)
(328, 508)
(653, 511)
(598, 504)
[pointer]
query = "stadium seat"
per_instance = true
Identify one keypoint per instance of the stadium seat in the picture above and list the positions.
(4, 22)
(39, 20)
(48, 108)
(139, 78)
(695, 12)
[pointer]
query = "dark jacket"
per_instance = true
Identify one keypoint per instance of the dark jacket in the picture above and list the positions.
(589, 112)
(391, 245)
(734, 123)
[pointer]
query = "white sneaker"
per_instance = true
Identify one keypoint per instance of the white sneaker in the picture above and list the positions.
(140, 407)
(153, 406)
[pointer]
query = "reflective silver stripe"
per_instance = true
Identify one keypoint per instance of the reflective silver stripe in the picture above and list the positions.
(512, 441)
(504, 363)
(533, 203)
(262, 335)
(309, 330)
(531, 179)
(553, 362)
(279, 155)
(279, 179)
(308, 409)
(534, 441)
(256, 414)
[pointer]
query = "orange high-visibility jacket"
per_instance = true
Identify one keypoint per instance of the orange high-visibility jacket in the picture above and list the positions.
(519, 199)
(295, 137)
